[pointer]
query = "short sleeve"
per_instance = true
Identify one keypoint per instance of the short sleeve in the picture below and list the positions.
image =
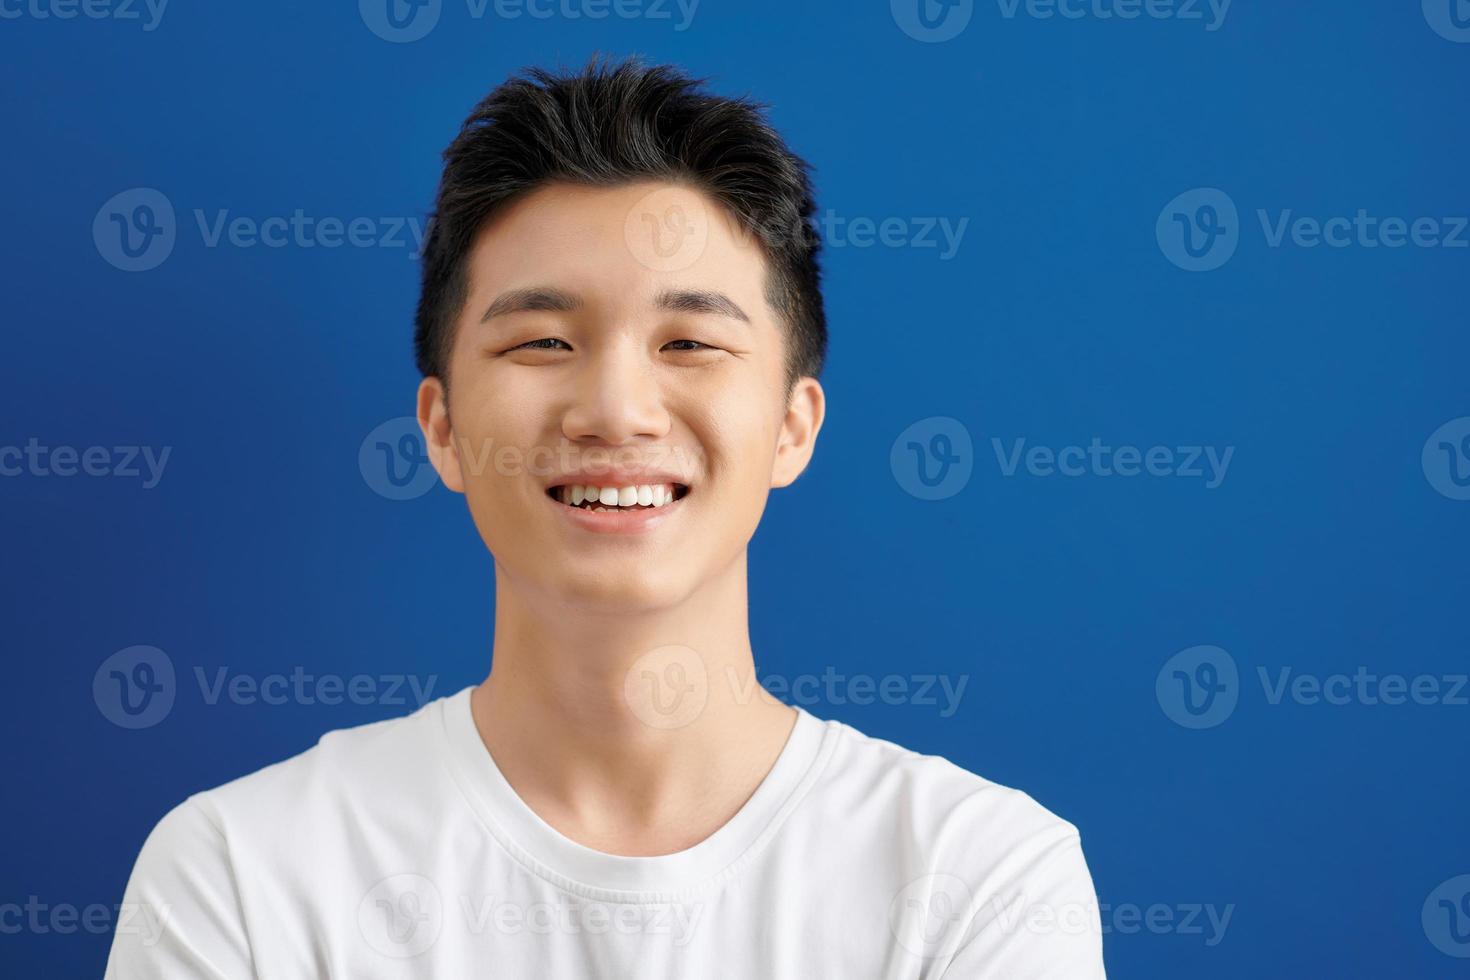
(181, 915)
(1040, 923)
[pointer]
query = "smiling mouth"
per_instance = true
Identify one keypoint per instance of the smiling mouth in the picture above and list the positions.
(647, 496)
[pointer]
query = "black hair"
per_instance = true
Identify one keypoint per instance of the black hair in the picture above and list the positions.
(615, 124)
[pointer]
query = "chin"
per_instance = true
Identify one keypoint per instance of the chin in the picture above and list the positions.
(618, 590)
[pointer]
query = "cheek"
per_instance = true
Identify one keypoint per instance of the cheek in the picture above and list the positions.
(493, 412)
(736, 430)
(486, 443)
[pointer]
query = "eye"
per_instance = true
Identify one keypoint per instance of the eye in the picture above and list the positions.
(545, 343)
(685, 345)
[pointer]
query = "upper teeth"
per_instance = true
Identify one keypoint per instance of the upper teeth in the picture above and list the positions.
(646, 495)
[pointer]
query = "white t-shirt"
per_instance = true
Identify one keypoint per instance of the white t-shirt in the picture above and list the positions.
(397, 849)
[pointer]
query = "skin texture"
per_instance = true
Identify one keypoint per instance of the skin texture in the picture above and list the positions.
(585, 620)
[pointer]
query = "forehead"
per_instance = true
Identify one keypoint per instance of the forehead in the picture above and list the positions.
(617, 246)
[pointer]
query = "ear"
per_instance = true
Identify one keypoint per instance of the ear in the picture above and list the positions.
(798, 437)
(438, 435)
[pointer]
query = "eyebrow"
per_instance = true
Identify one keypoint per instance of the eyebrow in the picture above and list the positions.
(542, 298)
(700, 301)
(548, 299)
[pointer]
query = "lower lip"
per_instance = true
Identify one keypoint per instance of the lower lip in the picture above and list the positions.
(618, 521)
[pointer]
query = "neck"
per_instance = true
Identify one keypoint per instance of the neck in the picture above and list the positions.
(631, 733)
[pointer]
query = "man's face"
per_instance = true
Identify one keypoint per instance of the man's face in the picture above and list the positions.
(617, 338)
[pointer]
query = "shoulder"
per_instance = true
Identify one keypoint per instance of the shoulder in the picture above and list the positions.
(344, 764)
(206, 858)
(983, 873)
(935, 798)
(393, 759)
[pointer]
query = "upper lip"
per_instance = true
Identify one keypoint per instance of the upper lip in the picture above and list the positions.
(618, 476)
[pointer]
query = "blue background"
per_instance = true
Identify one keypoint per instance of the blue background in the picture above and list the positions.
(1060, 318)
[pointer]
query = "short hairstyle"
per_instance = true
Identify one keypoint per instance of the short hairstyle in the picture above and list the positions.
(615, 124)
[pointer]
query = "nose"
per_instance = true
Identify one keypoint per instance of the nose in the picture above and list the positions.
(617, 400)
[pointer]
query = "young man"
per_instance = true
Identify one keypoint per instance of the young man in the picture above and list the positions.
(620, 333)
